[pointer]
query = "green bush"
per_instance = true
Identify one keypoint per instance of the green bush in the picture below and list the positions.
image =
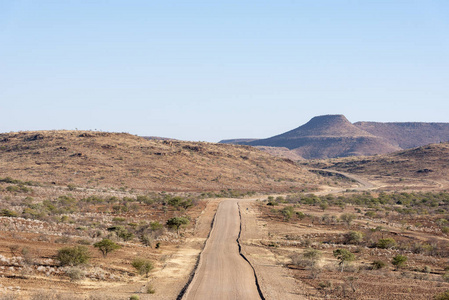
(134, 297)
(386, 243)
(288, 212)
(73, 256)
(353, 237)
(347, 218)
(143, 266)
(399, 261)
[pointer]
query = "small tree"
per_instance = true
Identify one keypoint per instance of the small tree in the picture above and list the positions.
(142, 265)
(106, 246)
(345, 257)
(73, 256)
(399, 261)
(312, 255)
(177, 222)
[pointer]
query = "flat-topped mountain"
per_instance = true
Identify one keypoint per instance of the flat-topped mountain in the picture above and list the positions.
(331, 136)
(328, 136)
(323, 126)
(105, 159)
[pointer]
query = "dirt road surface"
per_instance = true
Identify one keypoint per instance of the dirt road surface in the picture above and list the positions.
(222, 272)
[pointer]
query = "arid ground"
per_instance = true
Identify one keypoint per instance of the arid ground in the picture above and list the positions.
(321, 234)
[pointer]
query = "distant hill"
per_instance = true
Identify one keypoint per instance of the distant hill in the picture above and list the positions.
(158, 138)
(430, 161)
(408, 135)
(332, 136)
(280, 152)
(111, 160)
(237, 141)
(326, 137)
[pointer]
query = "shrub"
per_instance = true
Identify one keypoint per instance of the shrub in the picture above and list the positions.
(288, 212)
(143, 266)
(134, 297)
(300, 215)
(156, 226)
(386, 243)
(75, 273)
(84, 242)
(347, 219)
(426, 269)
(442, 296)
(73, 256)
(150, 290)
(8, 213)
(106, 246)
(378, 264)
(272, 203)
(354, 237)
(312, 255)
(399, 261)
(308, 258)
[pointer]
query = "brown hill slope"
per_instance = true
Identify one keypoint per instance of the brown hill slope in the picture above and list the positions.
(409, 134)
(426, 162)
(326, 137)
(119, 159)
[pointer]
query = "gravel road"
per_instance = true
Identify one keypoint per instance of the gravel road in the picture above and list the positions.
(222, 272)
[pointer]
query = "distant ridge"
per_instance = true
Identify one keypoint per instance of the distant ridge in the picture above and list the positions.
(409, 134)
(237, 141)
(331, 136)
(429, 162)
(328, 136)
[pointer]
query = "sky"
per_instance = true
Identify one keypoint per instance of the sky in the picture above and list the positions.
(212, 70)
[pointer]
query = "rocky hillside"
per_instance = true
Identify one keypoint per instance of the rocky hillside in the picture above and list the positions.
(408, 135)
(431, 162)
(333, 136)
(101, 159)
(326, 137)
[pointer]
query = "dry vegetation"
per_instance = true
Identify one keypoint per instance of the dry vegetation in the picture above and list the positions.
(419, 168)
(354, 246)
(72, 190)
(37, 221)
(120, 160)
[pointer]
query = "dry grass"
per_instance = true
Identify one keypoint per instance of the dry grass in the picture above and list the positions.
(417, 237)
(100, 159)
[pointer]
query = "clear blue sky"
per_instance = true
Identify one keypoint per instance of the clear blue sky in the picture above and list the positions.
(209, 70)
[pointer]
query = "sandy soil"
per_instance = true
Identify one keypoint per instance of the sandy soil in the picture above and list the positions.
(276, 282)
